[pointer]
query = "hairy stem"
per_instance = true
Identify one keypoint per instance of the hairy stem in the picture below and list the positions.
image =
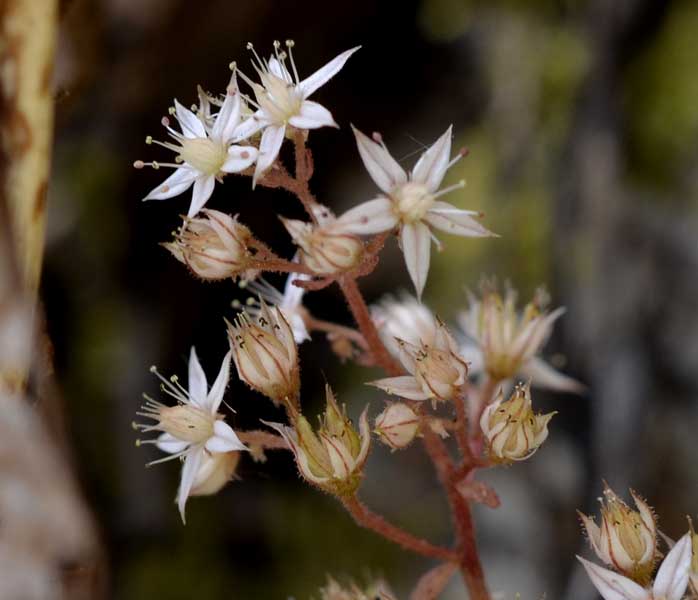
(364, 517)
(362, 316)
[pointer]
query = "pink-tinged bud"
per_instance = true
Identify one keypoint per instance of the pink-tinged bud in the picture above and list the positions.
(437, 371)
(323, 250)
(397, 425)
(214, 246)
(265, 353)
(333, 457)
(512, 430)
(626, 539)
(215, 471)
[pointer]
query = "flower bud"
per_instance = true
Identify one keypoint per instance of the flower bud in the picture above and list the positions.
(323, 250)
(397, 425)
(437, 371)
(512, 431)
(333, 457)
(626, 539)
(265, 353)
(215, 471)
(213, 246)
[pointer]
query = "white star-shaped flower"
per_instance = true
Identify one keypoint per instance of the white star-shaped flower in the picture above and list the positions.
(192, 430)
(410, 201)
(282, 101)
(669, 584)
(205, 150)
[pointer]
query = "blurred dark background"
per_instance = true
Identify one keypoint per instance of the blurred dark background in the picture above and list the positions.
(581, 118)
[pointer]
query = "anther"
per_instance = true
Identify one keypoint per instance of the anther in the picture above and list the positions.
(464, 151)
(233, 66)
(149, 139)
(172, 110)
(138, 164)
(377, 137)
(165, 122)
(249, 46)
(290, 43)
(277, 44)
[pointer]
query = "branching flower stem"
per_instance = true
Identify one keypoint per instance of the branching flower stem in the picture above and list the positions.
(364, 517)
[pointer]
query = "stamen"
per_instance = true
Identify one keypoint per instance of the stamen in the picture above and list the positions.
(170, 457)
(290, 44)
(450, 188)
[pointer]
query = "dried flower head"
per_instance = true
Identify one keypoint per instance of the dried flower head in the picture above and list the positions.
(193, 430)
(213, 246)
(512, 430)
(508, 340)
(333, 457)
(265, 353)
(282, 101)
(437, 371)
(324, 250)
(410, 202)
(205, 150)
(397, 425)
(670, 582)
(626, 539)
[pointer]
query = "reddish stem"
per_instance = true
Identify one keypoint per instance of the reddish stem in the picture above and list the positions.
(362, 316)
(364, 517)
(314, 324)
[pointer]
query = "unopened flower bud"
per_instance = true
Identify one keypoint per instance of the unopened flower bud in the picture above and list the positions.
(215, 471)
(213, 246)
(265, 353)
(323, 250)
(397, 425)
(512, 430)
(626, 539)
(438, 371)
(332, 457)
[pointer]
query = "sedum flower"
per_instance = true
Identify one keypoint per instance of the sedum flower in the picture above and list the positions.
(333, 457)
(625, 539)
(397, 425)
(437, 371)
(282, 101)
(410, 202)
(505, 342)
(669, 584)
(290, 302)
(323, 249)
(213, 246)
(204, 151)
(512, 431)
(265, 353)
(193, 429)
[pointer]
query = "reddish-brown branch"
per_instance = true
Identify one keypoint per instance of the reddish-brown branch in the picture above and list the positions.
(364, 517)
(266, 440)
(314, 324)
(461, 427)
(362, 316)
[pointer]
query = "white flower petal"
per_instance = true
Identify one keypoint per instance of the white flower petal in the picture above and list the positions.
(431, 166)
(613, 586)
(325, 73)
(228, 118)
(215, 396)
(198, 386)
(170, 444)
(225, 439)
(672, 578)
(269, 146)
(381, 166)
(415, 240)
(293, 295)
(249, 127)
(192, 127)
(279, 70)
(448, 218)
(174, 185)
(190, 468)
(545, 376)
(311, 116)
(369, 217)
(203, 188)
(405, 386)
(239, 158)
